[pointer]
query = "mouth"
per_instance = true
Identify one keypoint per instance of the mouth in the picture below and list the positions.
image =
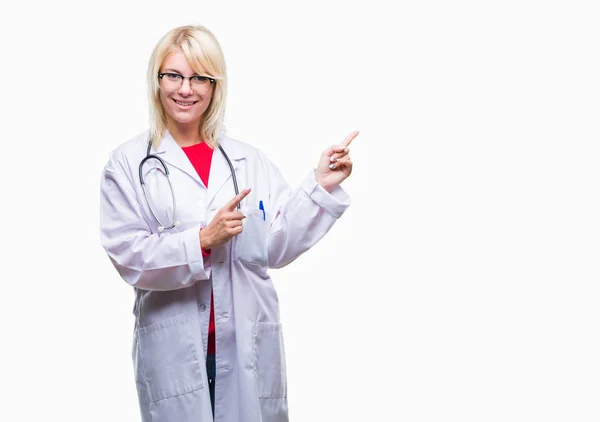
(184, 103)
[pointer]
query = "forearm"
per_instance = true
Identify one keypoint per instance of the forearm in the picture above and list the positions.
(303, 220)
(166, 262)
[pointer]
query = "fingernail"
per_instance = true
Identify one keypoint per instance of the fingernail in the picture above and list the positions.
(331, 158)
(331, 166)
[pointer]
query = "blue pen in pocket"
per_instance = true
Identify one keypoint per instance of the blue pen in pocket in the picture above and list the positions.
(262, 208)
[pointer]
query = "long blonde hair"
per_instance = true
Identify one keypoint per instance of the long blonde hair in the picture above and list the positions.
(205, 57)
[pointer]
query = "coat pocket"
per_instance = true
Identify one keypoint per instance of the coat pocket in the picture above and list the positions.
(169, 358)
(269, 360)
(251, 244)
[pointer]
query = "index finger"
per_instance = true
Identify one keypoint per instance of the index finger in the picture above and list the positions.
(230, 206)
(349, 138)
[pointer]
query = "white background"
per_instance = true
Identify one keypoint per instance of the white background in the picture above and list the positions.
(461, 285)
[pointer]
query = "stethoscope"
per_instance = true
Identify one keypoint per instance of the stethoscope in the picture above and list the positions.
(161, 226)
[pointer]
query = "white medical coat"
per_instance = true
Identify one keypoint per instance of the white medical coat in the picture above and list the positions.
(172, 281)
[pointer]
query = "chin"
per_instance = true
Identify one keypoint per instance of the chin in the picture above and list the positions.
(186, 119)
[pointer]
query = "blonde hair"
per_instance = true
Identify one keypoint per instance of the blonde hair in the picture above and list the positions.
(204, 54)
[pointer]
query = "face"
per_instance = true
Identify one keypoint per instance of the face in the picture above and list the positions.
(184, 107)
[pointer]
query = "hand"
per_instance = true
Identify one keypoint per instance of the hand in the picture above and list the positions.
(226, 224)
(335, 164)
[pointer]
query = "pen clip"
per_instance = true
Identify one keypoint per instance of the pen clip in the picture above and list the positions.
(262, 208)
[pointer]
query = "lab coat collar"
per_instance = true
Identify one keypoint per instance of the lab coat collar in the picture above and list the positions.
(220, 173)
(234, 149)
(171, 152)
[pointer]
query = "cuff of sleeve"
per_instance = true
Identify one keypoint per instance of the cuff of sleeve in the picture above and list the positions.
(205, 252)
(199, 268)
(334, 202)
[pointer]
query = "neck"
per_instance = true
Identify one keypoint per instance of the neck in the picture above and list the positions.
(185, 135)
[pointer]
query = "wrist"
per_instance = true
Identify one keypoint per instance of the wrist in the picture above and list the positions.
(205, 243)
(325, 186)
(321, 183)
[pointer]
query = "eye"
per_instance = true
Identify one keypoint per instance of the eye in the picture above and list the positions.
(173, 76)
(199, 79)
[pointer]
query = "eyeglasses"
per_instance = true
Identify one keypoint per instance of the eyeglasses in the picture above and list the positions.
(171, 82)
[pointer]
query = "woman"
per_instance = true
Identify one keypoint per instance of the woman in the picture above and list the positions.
(208, 340)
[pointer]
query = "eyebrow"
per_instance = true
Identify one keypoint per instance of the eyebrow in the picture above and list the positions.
(179, 73)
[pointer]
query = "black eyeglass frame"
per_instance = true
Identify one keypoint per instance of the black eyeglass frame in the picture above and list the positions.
(161, 75)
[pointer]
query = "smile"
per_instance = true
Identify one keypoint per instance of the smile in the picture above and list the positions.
(181, 103)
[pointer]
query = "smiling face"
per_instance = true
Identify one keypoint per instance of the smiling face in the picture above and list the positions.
(184, 106)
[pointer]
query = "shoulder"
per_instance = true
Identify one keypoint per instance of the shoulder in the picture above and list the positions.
(236, 146)
(134, 146)
(238, 150)
(129, 152)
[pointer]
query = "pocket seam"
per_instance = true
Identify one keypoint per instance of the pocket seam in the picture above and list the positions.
(265, 264)
(257, 328)
(158, 326)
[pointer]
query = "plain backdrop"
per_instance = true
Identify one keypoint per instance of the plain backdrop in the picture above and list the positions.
(462, 284)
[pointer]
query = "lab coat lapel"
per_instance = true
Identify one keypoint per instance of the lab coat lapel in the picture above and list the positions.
(220, 173)
(172, 153)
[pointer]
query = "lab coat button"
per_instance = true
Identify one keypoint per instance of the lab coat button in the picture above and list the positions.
(225, 316)
(203, 307)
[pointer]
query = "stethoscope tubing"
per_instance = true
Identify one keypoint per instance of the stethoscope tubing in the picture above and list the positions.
(166, 170)
(235, 185)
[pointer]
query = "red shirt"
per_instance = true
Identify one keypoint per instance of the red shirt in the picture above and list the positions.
(200, 156)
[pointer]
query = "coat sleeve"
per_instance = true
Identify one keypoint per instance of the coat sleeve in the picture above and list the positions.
(302, 217)
(145, 260)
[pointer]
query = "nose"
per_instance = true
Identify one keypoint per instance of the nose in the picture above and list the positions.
(186, 87)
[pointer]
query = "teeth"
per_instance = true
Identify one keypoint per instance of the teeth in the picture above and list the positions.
(183, 104)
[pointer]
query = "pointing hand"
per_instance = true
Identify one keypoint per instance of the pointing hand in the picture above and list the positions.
(335, 164)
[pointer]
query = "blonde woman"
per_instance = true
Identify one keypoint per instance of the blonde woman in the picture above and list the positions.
(193, 219)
